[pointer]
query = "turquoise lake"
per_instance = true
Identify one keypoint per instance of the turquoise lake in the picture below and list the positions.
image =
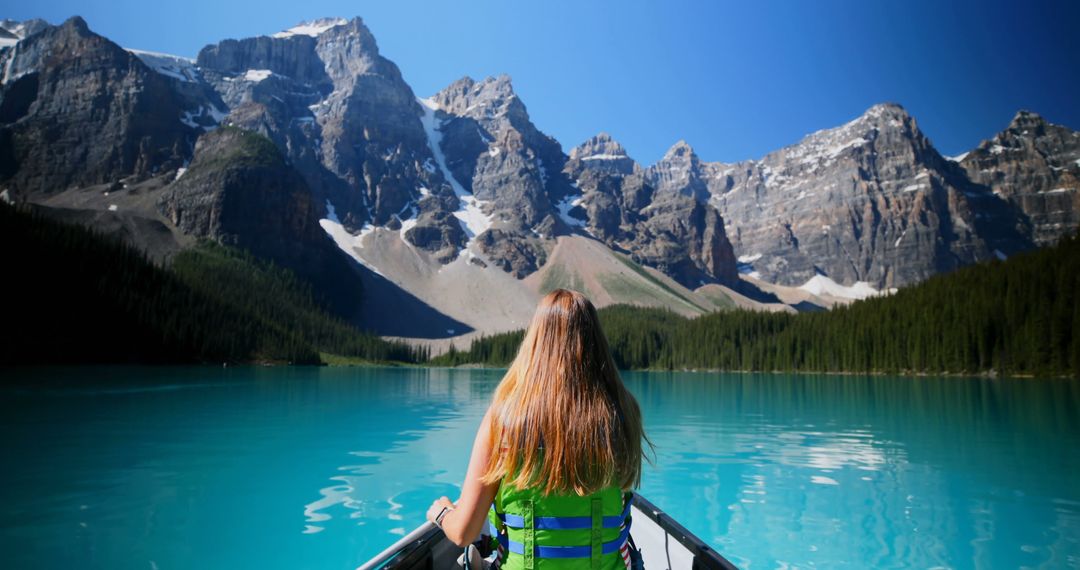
(195, 468)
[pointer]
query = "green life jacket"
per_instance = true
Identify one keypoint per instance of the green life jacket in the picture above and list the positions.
(560, 532)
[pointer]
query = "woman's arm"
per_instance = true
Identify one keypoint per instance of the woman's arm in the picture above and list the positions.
(462, 525)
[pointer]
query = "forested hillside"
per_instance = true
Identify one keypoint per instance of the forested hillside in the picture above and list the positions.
(73, 296)
(1019, 316)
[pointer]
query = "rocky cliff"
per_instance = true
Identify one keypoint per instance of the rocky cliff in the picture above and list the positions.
(496, 154)
(77, 110)
(1035, 165)
(464, 180)
(240, 191)
(662, 228)
(871, 201)
(345, 117)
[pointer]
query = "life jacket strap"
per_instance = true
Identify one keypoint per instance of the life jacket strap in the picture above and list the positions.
(565, 551)
(530, 524)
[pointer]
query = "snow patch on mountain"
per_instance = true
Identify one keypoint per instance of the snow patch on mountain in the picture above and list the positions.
(470, 212)
(257, 75)
(958, 157)
(822, 285)
(569, 203)
(174, 66)
(208, 112)
(345, 241)
(313, 28)
(19, 30)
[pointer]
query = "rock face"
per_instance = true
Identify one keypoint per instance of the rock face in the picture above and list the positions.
(1036, 166)
(466, 174)
(76, 110)
(513, 170)
(665, 229)
(347, 120)
(871, 201)
(604, 154)
(240, 191)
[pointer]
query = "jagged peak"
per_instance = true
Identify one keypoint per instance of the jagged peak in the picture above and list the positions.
(681, 149)
(886, 107)
(497, 83)
(600, 145)
(882, 114)
(315, 28)
(76, 23)
(468, 96)
(1026, 119)
(1025, 114)
(465, 81)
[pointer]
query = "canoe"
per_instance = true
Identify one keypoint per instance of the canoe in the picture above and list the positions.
(664, 543)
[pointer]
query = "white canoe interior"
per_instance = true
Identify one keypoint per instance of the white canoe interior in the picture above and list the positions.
(664, 543)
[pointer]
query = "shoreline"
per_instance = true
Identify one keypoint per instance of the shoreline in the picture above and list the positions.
(345, 362)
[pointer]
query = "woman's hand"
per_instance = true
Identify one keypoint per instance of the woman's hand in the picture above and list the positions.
(438, 506)
(463, 525)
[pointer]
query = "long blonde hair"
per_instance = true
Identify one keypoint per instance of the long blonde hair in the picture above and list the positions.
(561, 419)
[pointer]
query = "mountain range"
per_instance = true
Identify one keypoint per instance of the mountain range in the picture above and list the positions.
(449, 215)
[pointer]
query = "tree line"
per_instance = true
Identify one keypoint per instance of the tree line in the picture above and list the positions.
(1017, 317)
(72, 295)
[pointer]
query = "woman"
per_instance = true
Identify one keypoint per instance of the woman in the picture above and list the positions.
(556, 452)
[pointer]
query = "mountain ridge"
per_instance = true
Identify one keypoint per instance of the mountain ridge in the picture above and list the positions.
(464, 183)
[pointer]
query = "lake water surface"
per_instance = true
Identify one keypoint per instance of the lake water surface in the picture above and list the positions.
(194, 468)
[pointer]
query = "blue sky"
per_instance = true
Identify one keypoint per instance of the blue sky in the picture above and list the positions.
(734, 80)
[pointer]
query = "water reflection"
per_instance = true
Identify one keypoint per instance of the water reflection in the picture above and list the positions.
(781, 471)
(330, 465)
(414, 458)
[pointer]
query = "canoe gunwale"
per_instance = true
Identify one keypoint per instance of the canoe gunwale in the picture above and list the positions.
(705, 557)
(412, 555)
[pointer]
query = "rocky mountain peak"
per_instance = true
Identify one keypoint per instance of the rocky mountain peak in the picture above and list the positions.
(1034, 164)
(76, 23)
(485, 99)
(680, 150)
(680, 171)
(887, 107)
(1024, 125)
(880, 117)
(65, 82)
(1025, 118)
(349, 49)
(600, 145)
(354, 29)
(884, 125)
(602, 153)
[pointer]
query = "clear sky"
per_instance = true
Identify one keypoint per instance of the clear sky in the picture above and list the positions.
(734, 80)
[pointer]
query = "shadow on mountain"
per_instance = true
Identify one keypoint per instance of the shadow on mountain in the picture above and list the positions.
(755, 293)
(147, 234)
(388, 310)
(807, 307)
